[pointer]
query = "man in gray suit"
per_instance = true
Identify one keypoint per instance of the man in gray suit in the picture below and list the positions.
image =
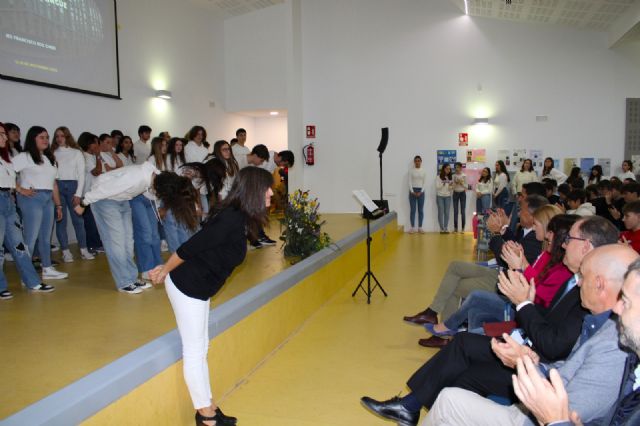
(593, 371)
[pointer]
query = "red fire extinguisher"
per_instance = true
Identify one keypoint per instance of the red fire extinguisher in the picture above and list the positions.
(308, 152)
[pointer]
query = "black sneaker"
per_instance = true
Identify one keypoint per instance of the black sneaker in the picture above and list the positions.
(142, 285)
(253, 245)
(6, 295)
(131, 289)
(42, 288)
(266, 241)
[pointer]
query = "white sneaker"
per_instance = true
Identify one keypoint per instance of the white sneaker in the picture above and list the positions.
(55, 247)
(51, 273)
(67, 257)
(411, 231)
(86, 255)
(421, 230)
(131, 289)
(164, 247)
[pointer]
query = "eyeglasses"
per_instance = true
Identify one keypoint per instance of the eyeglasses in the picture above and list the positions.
(568, 239)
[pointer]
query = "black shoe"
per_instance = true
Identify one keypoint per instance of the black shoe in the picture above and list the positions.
(6, 295)
(255, 245)
(266, 241)
(392, 410)
(219, 418)
(225, 419)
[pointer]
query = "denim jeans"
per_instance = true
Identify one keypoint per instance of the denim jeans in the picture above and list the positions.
(416, 203)
(479, 307)
(37, 216)
(11, 234)
(113, 219)
(146, 237)
(502, 198)
(459, 199)
(483, 203)
(444, 206)
(91, 230)
(67, 190)
(175, 232)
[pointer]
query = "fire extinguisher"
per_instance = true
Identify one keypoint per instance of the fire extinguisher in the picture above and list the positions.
(308, 152)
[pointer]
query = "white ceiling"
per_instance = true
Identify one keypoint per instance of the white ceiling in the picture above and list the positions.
(230, 8)
(598, 15)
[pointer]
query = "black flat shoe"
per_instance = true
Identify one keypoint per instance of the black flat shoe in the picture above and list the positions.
(230, 420)
(392, 410)
(219, 418)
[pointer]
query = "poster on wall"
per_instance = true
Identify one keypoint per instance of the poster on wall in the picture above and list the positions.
(536, 158)
(586, 164)
(504, 155)
(605, 163)
(517, 158)
(447, 156)
(568, 164)
(463, 139)
(473, 171)
(479, 155)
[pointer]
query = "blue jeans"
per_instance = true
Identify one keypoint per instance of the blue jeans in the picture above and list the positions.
(416, 203)
(11, 234)
(483, 203)
(479, 307)
(175, 232)
(37, 216)
(67, 190)
(459, 200)
(146, 237)
(502, 198)
(113, 219)
(444, 206)
(92, 234)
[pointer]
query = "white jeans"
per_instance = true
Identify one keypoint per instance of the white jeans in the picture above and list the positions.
(192, 316)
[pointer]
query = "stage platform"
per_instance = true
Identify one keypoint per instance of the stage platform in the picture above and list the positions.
(63, 345)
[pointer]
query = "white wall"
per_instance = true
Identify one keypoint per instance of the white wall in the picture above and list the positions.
(415, 66)
(163, 44)
(270, 131)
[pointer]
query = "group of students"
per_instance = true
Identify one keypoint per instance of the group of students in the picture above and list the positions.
(495, 191)
(549, 331)
(124, 198)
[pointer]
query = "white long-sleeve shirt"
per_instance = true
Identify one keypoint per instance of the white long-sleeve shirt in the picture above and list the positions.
(459, 182)
(121, 184)
(417, 178)
(444, 188)
(500, 182)
(195, 153)
(141, 150)
(485, 188)
(626, 175)
(521, 178)
(71, 166)
(555, 174)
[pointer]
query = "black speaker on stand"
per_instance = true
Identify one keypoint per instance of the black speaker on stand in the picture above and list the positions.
(381, 203)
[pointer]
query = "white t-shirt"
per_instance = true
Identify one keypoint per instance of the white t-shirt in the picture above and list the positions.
(126, 160)
(107, 158)
(240, 154)
(195, 153)
(7, 175)
(626, 175)
(141, 150)
(89, 164)
(152, 160)
(270, 164)
(176, 167)
(32, 175)
(71, 166)
(122, 184)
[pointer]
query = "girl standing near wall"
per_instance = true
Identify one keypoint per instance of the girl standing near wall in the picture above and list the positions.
(176, 156)
(158, 155)
(627, 171)
(549, 172)
(459, 197)
(525, 175)
(124, 149)
(501, 185)
(484, 191)
(444, 188)
(222, 151)
(417, 181)
(596, 175)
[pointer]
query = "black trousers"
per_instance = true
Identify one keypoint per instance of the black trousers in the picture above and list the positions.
(466, 362)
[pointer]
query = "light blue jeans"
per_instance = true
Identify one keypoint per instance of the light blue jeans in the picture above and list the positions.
(37, 216)
(444, 207)
(479, 307)
(113, 219)
(11, 234)
(146, 237)
(175, 232)
(416, 203)
(67, 190)
(483, 203)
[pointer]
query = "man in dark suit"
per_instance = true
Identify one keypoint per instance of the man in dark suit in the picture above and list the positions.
(469, 361)
(548, 400)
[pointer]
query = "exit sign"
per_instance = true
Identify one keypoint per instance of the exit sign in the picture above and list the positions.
(311, 132)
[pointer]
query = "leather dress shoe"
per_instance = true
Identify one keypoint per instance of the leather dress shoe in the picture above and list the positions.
(424, 317)
(433, 342)
(392, 410)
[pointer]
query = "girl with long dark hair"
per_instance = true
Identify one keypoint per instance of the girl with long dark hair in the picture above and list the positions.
(124, 149)
(175, 154)
(500, 185)
(38, 197)
(178, 200)
(596, 175)
(222, 151)
(197, 271)
(484, 191)
(444, 189)
(550, 172)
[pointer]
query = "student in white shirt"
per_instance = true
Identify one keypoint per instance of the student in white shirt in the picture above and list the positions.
(38, 197)
(124, 149)
(10, 228)
(256, 158)
(71, 175)
(525, 175)
(549, 172)
(93, 168)
(142, 147)
(484, 191)
(627, 171)
(176, 158)
(197, 148)
(110, 160)
(444, 189)
(417, 182)
(158, 155)
(500, 185)
(222, 151)
(240, 151)
(13, 133)
(459, 197)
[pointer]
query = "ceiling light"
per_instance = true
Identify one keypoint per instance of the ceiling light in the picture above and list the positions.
(274, 113)
(481, 120)
(163, 94)
(466, 7)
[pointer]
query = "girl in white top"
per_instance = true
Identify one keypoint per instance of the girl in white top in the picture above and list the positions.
(38, 195)
(525, 175)
(176, 157)
(222, 150)
(198, 147)
(444, 189)
(124, 149)
(501, 185)
(110, 160)
(549, 172)
(71, 176)
(158, 155)
(627, 171)
(596, 175)
(459, 197)
(484, 191)
(417, 182)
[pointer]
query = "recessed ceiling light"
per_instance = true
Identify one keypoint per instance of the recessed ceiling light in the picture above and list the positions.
(274, 113)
